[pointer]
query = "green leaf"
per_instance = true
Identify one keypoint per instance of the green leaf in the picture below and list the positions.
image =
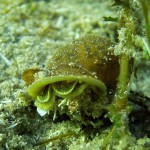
(123, 3)
(110, 19)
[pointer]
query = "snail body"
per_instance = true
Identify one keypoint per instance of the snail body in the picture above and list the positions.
(81, 76)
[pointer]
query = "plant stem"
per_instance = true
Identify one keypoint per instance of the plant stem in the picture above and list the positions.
(118, 109)
(147, 21)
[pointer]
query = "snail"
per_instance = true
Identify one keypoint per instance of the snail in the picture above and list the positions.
(81, 79)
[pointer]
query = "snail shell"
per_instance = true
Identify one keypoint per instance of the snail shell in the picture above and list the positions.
(82, 74)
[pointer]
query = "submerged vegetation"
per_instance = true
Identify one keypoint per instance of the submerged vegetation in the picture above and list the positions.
(87, 92)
